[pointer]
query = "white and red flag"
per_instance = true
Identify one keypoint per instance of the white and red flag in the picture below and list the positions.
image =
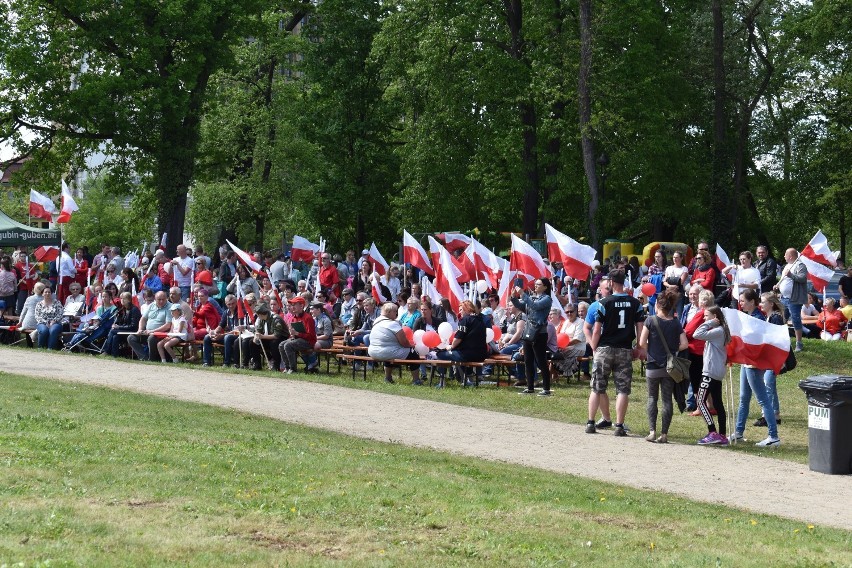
(756, 342)
(446, 279)
(41, 207)
(375, 258)
(303, 249)
(526, 261)
(68, 204)
(818, 274)
(507, 284)
(413, 254)
(429, 290)
(376, 290)
(465, 266)
(576, 258)
(163, 241)
(485, 262)
(454, 241)
(435, 249)
(46, 253)
(722, 260)
(818, 250)
(245, 258)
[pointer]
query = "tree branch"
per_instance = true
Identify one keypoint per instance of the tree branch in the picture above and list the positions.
(87, 27)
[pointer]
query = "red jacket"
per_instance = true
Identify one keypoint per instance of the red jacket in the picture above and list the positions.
(330, 279)
(310, 333)
(206, 316)
(696, 346)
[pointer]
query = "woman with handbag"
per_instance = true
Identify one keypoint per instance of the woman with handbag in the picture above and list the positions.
(537, 309)
(663, 337)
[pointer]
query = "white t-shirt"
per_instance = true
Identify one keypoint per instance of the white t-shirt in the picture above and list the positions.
(748, 276)
(384, 344)
(184, 279)
(675, 272)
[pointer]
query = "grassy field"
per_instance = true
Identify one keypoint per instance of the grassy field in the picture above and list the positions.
(570, 402)
(94, 477)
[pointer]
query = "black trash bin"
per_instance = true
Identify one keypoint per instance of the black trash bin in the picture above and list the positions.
(829, 423)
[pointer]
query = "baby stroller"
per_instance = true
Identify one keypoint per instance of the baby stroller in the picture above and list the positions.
(91, 335)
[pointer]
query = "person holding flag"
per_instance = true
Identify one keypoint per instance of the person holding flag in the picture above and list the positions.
(537, 309)
(793, 289)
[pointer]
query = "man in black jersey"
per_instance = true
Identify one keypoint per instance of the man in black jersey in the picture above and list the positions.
(617, 325)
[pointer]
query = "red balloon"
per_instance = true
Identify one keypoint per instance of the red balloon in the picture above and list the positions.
(431, 339)
(409, 333)
(562, 340)
(648, 289)
(498, 333)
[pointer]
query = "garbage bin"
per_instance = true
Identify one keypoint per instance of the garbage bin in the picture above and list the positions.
(829, 423)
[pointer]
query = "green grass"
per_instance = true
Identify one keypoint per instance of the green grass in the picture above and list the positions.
(95, 477)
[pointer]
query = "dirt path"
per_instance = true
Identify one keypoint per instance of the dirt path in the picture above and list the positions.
(757, 484)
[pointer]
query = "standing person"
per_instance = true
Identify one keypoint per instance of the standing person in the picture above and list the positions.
(617, 324)
(329, 277)
(774, 312)
(29, 277)
(704, 274)
(604, 289)
(537, 309)
(768, 269)
(793, 288)
(844, 285)
(660, 331)
(751, 381)
(81, 265)
(675, 279)
(8, 282)
(66, 272)
(183, 271)
(715, 334)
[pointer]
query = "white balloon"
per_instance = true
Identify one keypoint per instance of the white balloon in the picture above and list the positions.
(421, 349)
(167, 267)
(481, 286)
(445, 330)
(489, 335)
(595, 263)
(442, 346)
(418, 336)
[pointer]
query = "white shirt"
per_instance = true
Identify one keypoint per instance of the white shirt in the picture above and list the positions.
(180, 278)
(66, 266)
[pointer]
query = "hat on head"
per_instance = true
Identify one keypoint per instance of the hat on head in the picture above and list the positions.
(262, 309)
(487, 312)
(160, 252)
(174, 307)
(145, 260)
(297, 300)
(319, 305)
(365, 251)
(348, 291)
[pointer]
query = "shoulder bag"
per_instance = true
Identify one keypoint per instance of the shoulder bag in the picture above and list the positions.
(676, 367)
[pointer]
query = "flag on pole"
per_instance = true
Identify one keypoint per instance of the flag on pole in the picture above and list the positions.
(446, 280)
(413, 254)
(41, 207)
(485, 262)
(554, 303)
(526, 261)
(303, 249)
(576, 258)
(722, 260)
(68, 204)
(435, 249)
(817, 250)
(46, 253)
(134, 297)
(507, 282)
(818, 274)
(429, 290)
(379, 263)
(756, 342)
(245, 257)
(454, 241)
(163, 241)
(376, 290)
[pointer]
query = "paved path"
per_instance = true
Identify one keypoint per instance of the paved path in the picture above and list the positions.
(763, 485)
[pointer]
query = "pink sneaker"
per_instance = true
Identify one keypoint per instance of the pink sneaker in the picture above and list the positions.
(713, 438)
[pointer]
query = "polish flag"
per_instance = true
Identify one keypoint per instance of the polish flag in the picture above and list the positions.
(576, 258)
(722, 260)
(303, 249)
(46, 253)
(246, 258)
(379, 263)
(818, 250)
(818, 274)
(526, 260)
(507, 284)
(429, 290)
(134, 297)
(756, 342)
(454, 241)
(68, 204)
(466, 267)
(485, 262)
(163, 240)
(376, 290)
(413, 254)
(445, 276)
(41, 207)
(435, 249)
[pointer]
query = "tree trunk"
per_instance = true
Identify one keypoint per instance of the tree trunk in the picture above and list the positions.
(721, 206)
(585, 110)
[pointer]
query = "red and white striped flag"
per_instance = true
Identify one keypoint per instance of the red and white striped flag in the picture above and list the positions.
(68, 204)
(507, 283)
(819, 251)
(722, 260)
(576, 258)
(485, 262)
(446, 280)
(429, 290)
(376, 290)
(303, 249)
(245, 258)
(41, 207)
(756, 342)
(454, 241)
(375, 258)
(818, 274)
(435, 249)
(526, 261)
(163, 241)
(413, 254)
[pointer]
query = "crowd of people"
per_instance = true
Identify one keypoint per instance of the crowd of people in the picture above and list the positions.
(146, 307)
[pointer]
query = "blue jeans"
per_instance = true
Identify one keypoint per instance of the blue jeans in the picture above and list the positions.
(769, 381)
(49, 336)
(227, 341)
(751, 381)
(793, 313)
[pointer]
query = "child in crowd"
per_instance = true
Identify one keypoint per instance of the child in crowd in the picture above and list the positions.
(178, 333)
(716, 335)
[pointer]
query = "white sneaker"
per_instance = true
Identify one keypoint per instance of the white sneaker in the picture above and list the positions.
(734, 438)
(769, 442)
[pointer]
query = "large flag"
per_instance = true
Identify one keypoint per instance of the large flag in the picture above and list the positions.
(46, 253)
(454, 241)
(435, 249)
(756, 342)
(576, 258)
(303, 249)
(413, 254)
(818, 274)
(375, 258)
(68, 204)
(486, 264)
(41, 207)
(526, 261)
(430, 290)
(722, 260)
(819, 251)
(446, 280)
(507, 284)
(245, 258)
(376, 290)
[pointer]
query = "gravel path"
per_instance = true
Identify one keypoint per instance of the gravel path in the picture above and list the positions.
(758, 484)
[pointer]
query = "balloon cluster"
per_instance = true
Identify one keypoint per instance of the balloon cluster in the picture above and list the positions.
(424, 341)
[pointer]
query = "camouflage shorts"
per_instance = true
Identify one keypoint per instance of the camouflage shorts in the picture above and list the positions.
(613, 360)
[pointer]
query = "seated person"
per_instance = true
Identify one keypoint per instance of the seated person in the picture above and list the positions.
(206, 316)
(156, 319)
(846, 308)
(204, 277)
(269, 332)
(226, 333)
(469, 342)
(324, 331)
(48, 314)
(127, 319)
(388, 342)
(302, 334)
(572, 326)
(831, 321)
(7, 336)
(178, 332)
